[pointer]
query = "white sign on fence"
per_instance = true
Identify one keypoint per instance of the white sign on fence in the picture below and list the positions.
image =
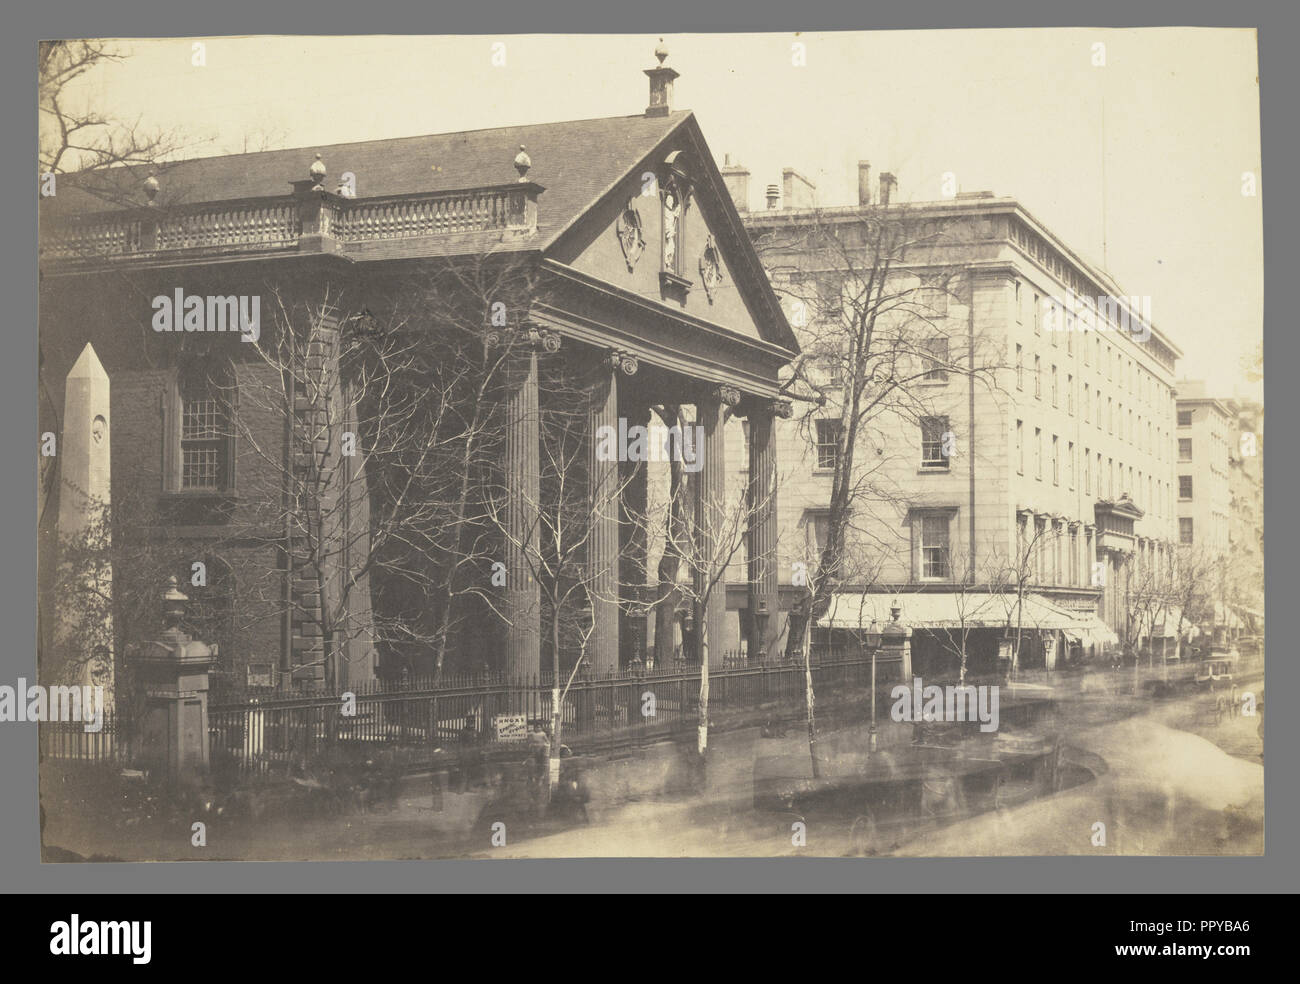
(510, 727)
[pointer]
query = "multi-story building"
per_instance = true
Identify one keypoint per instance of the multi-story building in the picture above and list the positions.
(1206, 429)
(1036, 444)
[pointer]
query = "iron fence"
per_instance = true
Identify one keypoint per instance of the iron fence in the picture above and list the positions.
(261, 731)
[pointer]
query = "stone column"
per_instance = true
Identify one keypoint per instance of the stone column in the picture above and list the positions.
(602, 542)
(707, 457)
(633, 545)
(523, 494)
(764, 587)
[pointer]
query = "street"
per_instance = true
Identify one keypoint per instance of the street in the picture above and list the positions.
(1167, 780)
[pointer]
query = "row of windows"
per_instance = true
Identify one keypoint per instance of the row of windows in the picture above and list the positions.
(1129, 426)
(1156, 492)
(1058, 556)
(937, 443)
(1130, 375)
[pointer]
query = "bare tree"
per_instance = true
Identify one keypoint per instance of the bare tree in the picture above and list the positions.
(385, 435)
(870, 296)
(706, 547)
(1011, 577)
(76, 135)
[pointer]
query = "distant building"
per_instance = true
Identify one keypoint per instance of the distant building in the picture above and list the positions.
(1206, 429)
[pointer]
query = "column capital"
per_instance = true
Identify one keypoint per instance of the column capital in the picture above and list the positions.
(761, 406)
(726, 395)
(621, 360)
(532, 335)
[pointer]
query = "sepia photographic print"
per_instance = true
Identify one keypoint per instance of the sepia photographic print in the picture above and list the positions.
(836, 445)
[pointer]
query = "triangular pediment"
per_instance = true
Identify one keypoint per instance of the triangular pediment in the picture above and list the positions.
(717, 276)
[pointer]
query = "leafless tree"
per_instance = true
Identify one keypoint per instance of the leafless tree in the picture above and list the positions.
(77, 136)
(870, 300)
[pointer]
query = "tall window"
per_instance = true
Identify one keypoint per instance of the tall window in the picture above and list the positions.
(935, 358)
(1184, 529)
(1069, 394)
(1069, 464)
(1087, 471)
(1038, 453)
(200, 432)
(828, 443)
(1184, 486)
(1020, 446)
(1020, 367)
(1056, 460)
(934, 545)
(1184, 449)
(1038, 377)
(1055, 393)
(1038, 315)
(1184, 418)
(932, 295)
(1087, 404)
(933, 430)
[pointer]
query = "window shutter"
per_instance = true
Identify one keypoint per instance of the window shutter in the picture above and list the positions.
(170, 398)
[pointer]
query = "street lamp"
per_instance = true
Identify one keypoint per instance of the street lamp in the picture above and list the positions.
(873, 643)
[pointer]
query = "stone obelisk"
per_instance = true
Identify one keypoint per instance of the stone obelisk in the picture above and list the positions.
(83, 509)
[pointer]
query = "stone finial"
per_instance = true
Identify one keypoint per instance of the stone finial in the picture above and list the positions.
(317, 172)
(661, 84)
(522, 163)
(151, 187)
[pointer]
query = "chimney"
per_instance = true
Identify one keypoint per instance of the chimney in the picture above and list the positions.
(661, 84)
(773, 195)
(864, 182)
(799, 192)
(888, 185)
(736, 178)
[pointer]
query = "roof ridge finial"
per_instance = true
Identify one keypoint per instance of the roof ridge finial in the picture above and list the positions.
(661, 51)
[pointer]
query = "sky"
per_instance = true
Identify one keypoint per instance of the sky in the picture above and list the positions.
(1155, 194)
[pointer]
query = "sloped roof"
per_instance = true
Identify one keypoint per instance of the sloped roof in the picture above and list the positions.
(575, 161)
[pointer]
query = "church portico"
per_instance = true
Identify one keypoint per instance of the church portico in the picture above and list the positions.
(638, 332)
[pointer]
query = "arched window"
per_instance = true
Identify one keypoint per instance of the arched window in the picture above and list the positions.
(199, 455)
